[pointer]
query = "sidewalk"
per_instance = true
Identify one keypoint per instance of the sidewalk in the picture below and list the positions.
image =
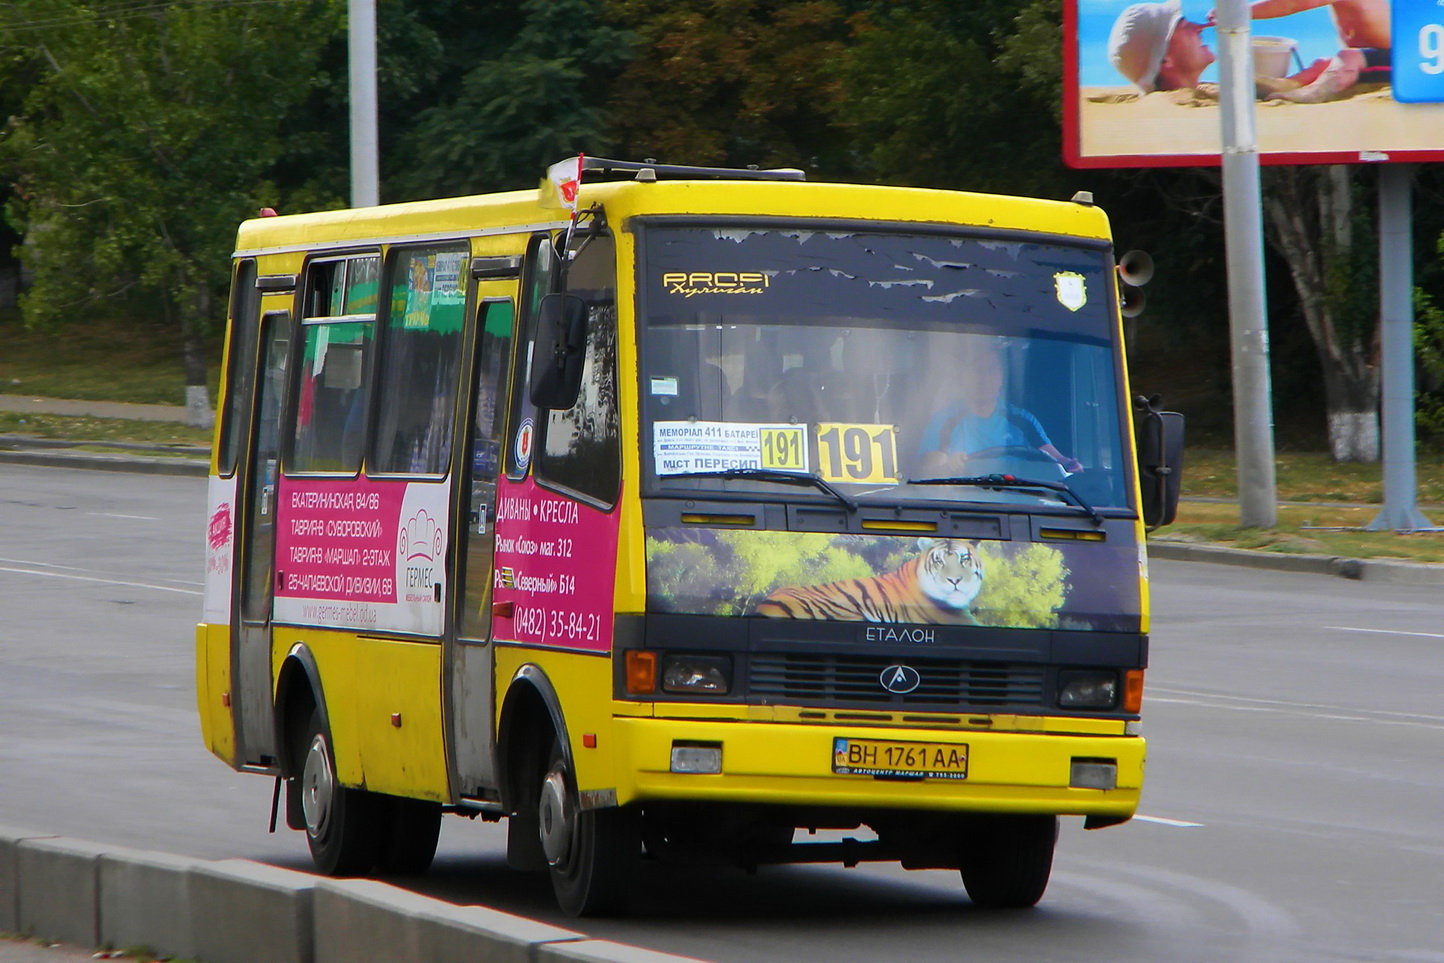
(92, 409)
(118, 456)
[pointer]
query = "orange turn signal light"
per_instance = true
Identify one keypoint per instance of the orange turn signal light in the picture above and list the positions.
(641, 672)
(1133, 691)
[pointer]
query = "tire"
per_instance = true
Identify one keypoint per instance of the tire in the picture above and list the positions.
(341, 824)
(1005, 861)
(409, 831)
(591, 855)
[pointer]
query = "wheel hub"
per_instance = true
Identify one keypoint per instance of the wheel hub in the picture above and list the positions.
(555, 818)
(317, 788)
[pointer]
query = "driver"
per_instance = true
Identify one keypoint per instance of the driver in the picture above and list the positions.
(982, 422)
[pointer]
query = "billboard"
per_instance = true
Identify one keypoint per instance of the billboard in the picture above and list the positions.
(1141, 82)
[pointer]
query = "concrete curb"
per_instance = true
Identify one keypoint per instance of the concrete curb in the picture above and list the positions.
(97, 461)
(1359, 569)
(237, 911)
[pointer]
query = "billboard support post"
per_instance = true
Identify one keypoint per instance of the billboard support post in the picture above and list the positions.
(1396, 315)
(1243, 244)
(365, 166)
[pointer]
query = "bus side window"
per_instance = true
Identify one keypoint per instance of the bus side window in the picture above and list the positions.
(420, 358)
(580, 448)
(332, 385)
(539, 278)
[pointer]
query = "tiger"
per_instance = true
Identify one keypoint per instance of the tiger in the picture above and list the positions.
(936, 587)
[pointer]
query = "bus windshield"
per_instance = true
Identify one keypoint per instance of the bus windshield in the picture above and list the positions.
(894, 367)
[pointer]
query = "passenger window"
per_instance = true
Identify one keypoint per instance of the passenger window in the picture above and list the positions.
(580, 448)
(332, 384)
(420, 363)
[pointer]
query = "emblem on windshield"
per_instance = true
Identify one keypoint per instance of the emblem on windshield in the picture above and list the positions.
(1070, 289)
(900, 679)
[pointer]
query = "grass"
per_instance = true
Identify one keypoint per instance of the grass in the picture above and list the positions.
(95, 361)
(1325, 508)
(98, 432)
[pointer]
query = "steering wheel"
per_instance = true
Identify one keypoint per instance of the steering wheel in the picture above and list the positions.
(1014, 452)
(1000, 458)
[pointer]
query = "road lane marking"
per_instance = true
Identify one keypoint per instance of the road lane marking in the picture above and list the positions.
(103, 581)
(1420, 635)
(1312, 710)
(139, 518)
(1175, 823)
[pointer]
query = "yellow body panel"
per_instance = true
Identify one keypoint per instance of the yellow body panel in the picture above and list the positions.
(213, 690)
(583, 685)
(365, 681)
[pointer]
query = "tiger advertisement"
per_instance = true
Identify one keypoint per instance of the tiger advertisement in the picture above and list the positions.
(1091, 586)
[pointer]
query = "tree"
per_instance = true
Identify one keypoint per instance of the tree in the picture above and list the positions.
(732, 82)
(517, 107)
(148, 133)
(1320, 224)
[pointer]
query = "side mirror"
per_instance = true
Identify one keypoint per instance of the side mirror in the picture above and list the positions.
(1160, 461)
(560, 348)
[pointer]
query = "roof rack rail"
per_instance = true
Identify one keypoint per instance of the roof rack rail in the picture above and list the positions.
(650, 170)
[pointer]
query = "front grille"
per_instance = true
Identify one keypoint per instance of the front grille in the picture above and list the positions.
(798, 677)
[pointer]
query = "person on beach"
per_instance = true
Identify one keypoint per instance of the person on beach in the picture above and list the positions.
(1366, 56)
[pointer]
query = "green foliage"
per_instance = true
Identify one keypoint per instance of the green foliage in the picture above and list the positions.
(965, 96)
(1024, 589)
(146, 136)
(511, 114)
(1429, 359)
(732, 82)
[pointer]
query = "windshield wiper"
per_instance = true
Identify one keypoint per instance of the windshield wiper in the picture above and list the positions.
(1014, 483)
(774, 475)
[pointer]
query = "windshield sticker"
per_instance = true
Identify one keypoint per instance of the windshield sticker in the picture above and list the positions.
(1071, 290)
(684, 447)
(860, 454)
(664, 386)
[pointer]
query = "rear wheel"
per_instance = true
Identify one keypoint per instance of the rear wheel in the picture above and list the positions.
(1005, 861)
(409, 830)
(341, 823)
(591, 854)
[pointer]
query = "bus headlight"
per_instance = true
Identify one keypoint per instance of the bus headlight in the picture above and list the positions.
(708, 674)
(1087, 690)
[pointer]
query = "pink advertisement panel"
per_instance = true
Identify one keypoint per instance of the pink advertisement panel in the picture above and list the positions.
(361, 553)
(556, 565)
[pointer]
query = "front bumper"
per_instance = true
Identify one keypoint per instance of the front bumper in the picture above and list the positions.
(791, 764)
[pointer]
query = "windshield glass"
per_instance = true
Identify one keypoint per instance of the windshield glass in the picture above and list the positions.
(875, 360)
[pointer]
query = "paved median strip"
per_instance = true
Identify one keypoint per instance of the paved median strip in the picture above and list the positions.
(238, 911)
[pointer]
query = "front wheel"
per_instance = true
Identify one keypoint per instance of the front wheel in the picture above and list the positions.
(590, 854)
(341, 824)
(1005, 861)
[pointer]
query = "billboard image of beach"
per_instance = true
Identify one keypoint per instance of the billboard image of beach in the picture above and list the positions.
(1332, 85)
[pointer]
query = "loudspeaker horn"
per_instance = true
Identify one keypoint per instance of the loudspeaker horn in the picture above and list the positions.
(1131, 301)
(1135, 268)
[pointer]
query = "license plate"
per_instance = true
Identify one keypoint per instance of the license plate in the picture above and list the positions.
(886, 757)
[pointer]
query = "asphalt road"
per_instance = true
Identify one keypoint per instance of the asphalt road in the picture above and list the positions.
(1292, 810)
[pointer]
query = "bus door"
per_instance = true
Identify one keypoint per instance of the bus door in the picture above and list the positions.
(251, 621)
(471, 663)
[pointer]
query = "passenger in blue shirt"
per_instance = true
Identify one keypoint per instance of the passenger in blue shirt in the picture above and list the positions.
(983, 422)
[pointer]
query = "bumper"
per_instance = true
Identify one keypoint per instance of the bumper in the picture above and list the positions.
(784, 764)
